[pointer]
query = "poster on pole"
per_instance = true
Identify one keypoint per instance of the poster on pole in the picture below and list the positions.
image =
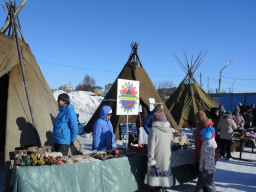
(127, 97)
(151, 103)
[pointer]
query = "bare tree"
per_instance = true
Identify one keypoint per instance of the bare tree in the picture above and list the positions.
(165, 84)
(165, 89)
(88, 84)
(89, 81)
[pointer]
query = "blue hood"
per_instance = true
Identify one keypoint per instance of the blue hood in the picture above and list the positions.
(104, 111)
(207, 132)
(103, 135)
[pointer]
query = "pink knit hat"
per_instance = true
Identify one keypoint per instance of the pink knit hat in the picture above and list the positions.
(158, 116)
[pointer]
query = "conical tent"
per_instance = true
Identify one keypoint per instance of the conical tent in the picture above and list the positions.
(21, 92)
(132, 70)
(189, 97)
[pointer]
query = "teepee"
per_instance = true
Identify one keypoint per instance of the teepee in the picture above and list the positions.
(27, 105)
(189, 97)
(133, 70)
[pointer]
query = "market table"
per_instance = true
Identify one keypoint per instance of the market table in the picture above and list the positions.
(118, 174)
(242, 141)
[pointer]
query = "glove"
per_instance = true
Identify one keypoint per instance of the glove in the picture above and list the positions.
(72, 143)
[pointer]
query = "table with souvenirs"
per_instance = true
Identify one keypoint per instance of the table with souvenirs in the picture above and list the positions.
(118, 170)
(246, 137)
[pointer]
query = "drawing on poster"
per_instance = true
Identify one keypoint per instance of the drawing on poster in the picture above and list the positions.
(127, 97)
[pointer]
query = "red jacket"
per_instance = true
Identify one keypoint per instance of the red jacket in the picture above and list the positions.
(199, 141)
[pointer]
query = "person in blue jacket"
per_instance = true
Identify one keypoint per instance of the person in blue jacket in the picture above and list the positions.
(65, 126)
(148, 122)
(103, 135)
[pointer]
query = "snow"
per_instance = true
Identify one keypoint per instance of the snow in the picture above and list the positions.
(234, 175)
(85, 103)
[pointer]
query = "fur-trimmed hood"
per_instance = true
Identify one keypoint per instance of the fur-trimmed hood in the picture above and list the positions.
(162, 126)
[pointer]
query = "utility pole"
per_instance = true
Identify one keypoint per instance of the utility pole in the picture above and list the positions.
(222, 70)
(233, 84)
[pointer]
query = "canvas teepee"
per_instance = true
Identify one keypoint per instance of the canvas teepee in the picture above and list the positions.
(133, 70)
(27, 105)
(189, 97)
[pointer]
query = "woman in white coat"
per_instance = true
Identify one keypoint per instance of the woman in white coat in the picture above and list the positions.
(159, 153)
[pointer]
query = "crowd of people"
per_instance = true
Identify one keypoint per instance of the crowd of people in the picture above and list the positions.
(219, 125)
(214, 132)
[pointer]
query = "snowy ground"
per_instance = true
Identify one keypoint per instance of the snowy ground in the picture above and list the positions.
(232, 176)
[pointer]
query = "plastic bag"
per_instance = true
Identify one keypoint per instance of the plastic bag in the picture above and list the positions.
(143, 136)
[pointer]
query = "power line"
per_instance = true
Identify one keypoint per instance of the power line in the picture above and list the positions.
(238, 78)
(76, 67)
(226, 82)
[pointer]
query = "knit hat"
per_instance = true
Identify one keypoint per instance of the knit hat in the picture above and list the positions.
(64, 97)
(207, 132)
(158, 116)
(202, 119)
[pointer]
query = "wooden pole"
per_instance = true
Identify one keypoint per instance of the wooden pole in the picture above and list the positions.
(24, 76)
(201, 79)
(127, 127)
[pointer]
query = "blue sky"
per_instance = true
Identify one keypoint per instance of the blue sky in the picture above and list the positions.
(93, 37)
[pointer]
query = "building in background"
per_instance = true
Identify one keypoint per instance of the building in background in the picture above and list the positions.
(107, 88)
(66, 88)
(98, 90)
(229, 100)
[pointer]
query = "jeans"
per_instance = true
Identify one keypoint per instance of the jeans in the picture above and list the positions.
(61, 148)
(205, 180)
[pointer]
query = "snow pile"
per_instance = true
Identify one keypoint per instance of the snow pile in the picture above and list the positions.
(85, 103)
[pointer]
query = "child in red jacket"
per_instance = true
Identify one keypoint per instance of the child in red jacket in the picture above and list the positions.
(205, 133)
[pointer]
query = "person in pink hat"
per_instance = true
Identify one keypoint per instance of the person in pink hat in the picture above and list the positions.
(159, 173)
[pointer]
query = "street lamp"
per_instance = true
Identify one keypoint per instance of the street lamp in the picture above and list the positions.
(233, 84)
(223, 69)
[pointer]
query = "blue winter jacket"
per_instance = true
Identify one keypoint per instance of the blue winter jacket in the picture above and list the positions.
(148, 122)
(65, 126)
(103, 135)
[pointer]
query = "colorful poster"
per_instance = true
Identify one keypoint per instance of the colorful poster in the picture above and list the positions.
(127, 97)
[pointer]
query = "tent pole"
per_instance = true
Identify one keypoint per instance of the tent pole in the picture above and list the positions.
(24, 76)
